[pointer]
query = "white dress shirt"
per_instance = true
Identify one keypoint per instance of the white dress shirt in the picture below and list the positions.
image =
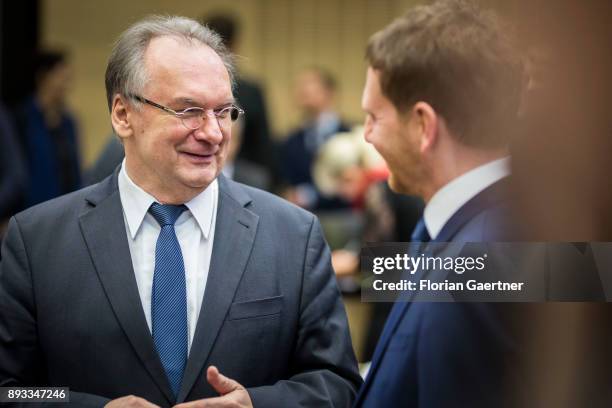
(321, 130)
(450, 198)
(195, 231)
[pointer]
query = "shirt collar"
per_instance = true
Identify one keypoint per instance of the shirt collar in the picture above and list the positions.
(136, 203)
(327, 123)
(202, 207)
(450, 198)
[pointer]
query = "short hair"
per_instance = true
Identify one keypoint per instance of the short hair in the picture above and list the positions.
(46, 61)
(126, 73)
(457, 58)
(325, 76)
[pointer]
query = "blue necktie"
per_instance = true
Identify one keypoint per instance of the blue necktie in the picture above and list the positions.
(419, 237)
(420, 233)
(169, 298)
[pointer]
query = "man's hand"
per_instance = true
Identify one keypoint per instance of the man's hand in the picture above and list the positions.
(233, 395)
(345, 262)
(129, 402)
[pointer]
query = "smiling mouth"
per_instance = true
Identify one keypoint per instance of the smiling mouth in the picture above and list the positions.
(199, 154)
(204, 158)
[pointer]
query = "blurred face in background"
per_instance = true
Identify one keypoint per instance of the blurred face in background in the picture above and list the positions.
(312, 95)
(55, 84)
(396, 137)
(164, 157)
(352, 183)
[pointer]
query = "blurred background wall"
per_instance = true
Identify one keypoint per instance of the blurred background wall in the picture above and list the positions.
(277, 39)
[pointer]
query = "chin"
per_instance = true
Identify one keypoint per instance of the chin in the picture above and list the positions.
(393, 184)
(401, 186)
(202, 182)
(199, 179)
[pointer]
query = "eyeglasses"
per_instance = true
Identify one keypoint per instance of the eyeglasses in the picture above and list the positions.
(193, 118)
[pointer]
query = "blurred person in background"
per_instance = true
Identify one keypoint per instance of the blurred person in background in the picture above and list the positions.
(441, 98)
(112, 155)
(349, 167)
(243, 170)
(257, 146)
(13, 172)
(48, 131)
(315, 92)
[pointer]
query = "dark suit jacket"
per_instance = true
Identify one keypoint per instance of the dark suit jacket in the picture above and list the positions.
(296, 165)
(111, 156)
(257, 145)
(52, 155)
(297, 159)
(447, 354)
(272, 317)
(252, 174)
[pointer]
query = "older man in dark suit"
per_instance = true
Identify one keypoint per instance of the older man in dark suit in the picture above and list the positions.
(117, 290)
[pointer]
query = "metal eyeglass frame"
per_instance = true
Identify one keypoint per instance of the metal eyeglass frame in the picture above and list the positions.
(233, 110)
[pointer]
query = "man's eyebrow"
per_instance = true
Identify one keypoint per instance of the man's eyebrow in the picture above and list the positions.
(186, 101)
(226, 104)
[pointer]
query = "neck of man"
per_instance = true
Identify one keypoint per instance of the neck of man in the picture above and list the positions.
(313, 113)
(458, 160)
(164, 193)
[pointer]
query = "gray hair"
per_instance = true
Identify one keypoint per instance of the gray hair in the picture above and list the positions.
(126, 73)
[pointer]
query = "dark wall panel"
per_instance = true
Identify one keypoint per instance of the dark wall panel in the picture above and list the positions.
(19, 36)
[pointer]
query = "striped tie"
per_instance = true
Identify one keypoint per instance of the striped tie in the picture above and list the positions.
(169, 299)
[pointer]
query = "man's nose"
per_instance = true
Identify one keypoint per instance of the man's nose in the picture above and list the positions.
(210, 131)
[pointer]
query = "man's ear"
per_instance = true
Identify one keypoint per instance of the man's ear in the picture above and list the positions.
(426, 121)
(120, 117)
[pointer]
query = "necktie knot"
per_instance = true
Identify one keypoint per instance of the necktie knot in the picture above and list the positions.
(166, 214)
(420, 233)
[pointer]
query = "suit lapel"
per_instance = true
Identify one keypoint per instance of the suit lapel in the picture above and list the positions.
(443, 243)
(397, 313)
(235, 232)
(487, 198)
(395, 317)
(103, 229)
(477, 204)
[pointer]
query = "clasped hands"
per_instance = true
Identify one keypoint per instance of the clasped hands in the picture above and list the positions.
(231, 395)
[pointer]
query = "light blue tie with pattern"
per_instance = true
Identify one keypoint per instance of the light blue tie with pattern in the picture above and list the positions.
(169, 298)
